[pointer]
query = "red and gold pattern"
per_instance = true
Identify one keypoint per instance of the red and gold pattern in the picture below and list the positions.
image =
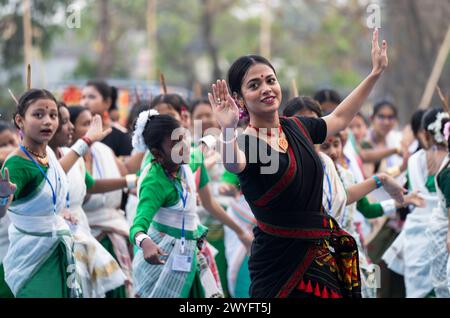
(348, 264)
(325, 258)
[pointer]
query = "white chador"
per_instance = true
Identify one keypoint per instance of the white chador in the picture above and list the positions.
(103, 210)
(36, 230)
(98, 270)
(4, 241)
(437, 234)
(409, 255)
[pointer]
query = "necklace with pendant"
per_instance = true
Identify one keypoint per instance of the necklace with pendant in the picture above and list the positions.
(282, 141)
(42, 159)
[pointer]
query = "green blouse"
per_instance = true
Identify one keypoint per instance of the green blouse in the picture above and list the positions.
(28, 178)
(156, 191)
(230, 178)
(369, 210)
(444, 184)
(429, 183)
(197, 162)
(25, 175)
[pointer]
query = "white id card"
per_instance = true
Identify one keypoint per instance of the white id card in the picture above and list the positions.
(182, 263)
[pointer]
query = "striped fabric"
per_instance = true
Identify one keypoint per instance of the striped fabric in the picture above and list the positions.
(160, 281)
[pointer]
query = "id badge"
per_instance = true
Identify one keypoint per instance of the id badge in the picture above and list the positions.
(182, 263)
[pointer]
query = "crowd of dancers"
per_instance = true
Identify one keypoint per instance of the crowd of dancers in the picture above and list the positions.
(311, 200)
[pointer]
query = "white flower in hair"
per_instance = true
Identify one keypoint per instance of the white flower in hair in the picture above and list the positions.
(436, 127)
(138, 137)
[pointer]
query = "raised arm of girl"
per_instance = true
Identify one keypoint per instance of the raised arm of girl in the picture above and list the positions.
(95, 133)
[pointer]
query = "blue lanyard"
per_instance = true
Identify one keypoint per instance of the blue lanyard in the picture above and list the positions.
(45, 176)
(68, 200)
(181, 190)
(330, 190)
(183, 198)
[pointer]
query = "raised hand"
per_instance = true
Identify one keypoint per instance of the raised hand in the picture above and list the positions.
(6, 187)
(96, 132)
(224, 106)
(379, 55)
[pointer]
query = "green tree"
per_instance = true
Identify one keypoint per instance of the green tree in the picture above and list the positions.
(44, 31)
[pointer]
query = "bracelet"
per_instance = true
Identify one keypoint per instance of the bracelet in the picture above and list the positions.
(87, 140)
(4, 201)
(378, 181)
(80, 147)
(230, 141)
(140, 238)
(131, 181)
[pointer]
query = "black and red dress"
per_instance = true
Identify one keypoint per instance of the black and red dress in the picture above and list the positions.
(299, 250)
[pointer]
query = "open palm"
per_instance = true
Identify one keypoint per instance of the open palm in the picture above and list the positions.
(6, 187)
(379, 55)
(224, 106)
(96, 132)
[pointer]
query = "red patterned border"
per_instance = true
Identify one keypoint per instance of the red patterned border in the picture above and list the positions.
(302, 128)
(293, 233)
(298, 275)
(287, 178)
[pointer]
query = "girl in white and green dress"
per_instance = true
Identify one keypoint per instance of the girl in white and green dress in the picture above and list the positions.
(409, 255)
(8, 141)
(171, 262)
(353, 198)
(39, 261)
(438, 231)
(98, 271)
(107, 221)
(5, 291)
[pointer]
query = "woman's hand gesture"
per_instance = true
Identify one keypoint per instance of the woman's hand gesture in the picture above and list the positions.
(6, 187)
(224, 106)
(379, 55)
(96, 132)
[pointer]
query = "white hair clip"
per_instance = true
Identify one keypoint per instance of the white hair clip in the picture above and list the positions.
(436, 127)
(138, 137)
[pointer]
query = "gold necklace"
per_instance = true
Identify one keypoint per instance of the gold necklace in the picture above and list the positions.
(42, 159)
(282, 141)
